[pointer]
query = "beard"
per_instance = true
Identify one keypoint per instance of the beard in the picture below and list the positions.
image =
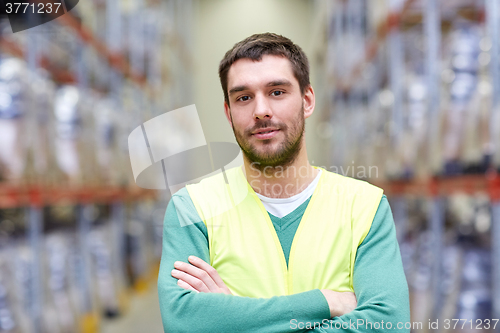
(283, 155)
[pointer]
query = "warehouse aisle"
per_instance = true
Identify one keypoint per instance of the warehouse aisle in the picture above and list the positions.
(143, 315)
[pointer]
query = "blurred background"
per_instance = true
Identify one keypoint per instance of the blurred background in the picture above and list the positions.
(407, 98)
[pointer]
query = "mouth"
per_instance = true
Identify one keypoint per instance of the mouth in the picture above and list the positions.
(265, 134)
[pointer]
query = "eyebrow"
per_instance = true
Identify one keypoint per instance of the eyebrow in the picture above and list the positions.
(270, 84)
(279, 83)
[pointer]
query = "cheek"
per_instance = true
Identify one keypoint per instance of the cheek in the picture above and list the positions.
(289, 112)
(240, 124)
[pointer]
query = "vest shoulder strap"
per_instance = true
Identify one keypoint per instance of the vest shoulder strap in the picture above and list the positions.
(214, 195)
(364, 199)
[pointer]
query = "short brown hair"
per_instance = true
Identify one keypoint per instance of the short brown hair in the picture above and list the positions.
(255, 46)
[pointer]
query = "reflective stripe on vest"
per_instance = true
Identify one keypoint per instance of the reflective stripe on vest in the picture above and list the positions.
(246, 251)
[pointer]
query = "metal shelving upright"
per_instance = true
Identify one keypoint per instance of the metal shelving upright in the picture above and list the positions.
(434, 187)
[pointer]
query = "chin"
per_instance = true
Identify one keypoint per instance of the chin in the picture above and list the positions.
(267, 153)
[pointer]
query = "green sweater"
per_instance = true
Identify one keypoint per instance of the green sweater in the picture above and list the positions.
(379, 283)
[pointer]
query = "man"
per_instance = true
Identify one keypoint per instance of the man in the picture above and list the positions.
(278, 245)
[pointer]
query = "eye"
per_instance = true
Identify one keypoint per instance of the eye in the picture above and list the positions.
(243, 98)
(277, 93)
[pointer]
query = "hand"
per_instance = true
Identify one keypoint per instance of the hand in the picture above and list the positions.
(340, 303)
(199, 276)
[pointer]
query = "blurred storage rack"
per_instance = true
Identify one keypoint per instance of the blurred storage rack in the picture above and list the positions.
(414, 109)
(77, 236)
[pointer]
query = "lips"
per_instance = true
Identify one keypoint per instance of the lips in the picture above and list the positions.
(266, 133)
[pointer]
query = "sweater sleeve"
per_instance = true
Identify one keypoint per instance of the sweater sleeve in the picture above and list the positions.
(184, 234)
(379, 282)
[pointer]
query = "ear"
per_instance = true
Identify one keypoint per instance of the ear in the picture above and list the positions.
(309, 102)
(227, 112)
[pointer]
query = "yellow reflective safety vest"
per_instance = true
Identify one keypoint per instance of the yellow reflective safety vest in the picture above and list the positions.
(245, 249)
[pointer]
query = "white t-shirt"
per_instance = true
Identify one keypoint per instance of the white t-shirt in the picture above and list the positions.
(280, 207)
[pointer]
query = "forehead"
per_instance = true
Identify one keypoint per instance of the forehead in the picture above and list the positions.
(247, 72)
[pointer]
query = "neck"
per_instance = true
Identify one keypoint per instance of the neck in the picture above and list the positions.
(280, 181)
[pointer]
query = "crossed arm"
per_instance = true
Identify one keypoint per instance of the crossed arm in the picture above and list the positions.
(199, 276)
(382, 294)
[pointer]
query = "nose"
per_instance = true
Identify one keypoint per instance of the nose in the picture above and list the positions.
(262, 108)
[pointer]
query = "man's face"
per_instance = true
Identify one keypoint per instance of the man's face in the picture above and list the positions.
(266, 110)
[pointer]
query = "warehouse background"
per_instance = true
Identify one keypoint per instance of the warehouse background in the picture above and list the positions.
(406, 98)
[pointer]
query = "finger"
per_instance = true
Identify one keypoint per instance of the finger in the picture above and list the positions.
(185, 285)
(191, 280)
(199, 273)
(210, 270)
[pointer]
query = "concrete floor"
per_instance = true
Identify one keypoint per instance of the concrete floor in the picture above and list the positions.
(143, 315)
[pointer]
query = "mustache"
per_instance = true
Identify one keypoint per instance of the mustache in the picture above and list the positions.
(265, 124)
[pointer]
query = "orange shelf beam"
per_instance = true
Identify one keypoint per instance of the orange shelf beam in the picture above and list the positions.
(468, 184)
(12, 196)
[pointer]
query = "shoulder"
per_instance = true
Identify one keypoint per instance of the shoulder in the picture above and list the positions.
(383, 220)
(220, 186)
(382, 234)
(216, 181)
(181, 194)
(218, 193)
(181, 208)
